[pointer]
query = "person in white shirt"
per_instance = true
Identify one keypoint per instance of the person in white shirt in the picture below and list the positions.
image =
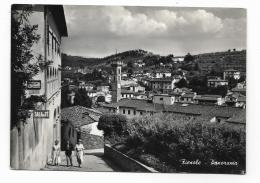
(79, 149)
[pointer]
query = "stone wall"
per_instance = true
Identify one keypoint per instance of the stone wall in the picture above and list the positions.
(124, 161)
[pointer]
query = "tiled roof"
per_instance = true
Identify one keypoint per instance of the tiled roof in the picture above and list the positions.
(189, 95)
(230, 70)
(241, 98)
(79, 115)
(238, 90)
(207, 97)
(217, 80)
(126, 91)
(195, 109)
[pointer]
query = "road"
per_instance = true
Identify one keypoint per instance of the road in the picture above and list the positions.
(94, 161)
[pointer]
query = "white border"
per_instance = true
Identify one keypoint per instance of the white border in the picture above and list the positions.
(253, 111)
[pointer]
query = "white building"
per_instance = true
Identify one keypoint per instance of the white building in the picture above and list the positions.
(163, 99)
(38, 135)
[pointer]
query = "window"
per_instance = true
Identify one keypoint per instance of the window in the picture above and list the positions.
(141, 113)
(123, 111)
(134, 112)
(48, 73)
(129, 112)
(161, 98)
(49, 42)
(70, 132)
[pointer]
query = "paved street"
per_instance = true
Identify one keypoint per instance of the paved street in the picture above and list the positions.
(94, 161)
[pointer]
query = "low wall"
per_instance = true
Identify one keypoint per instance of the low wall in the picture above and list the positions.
(124, 161)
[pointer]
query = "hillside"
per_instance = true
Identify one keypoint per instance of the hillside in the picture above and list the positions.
(77, 61)
(127, 56)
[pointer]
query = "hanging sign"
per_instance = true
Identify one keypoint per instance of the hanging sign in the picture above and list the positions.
(41, 113)
(34, 85)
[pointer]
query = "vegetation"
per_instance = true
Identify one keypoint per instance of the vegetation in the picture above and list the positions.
(24, 64)
(113, 125)
(164, 141)
(81, 98)
(101, 99)
(189, 58)
(182, 83)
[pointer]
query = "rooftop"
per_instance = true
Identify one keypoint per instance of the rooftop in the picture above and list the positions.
(193, 109)
(79, 115)
(208, 97)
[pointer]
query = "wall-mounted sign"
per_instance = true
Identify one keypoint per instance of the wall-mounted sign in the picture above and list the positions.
(34, 85)
(41, 114)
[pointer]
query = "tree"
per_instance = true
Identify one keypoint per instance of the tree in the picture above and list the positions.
(232, 82)
(112, 123)
(189, 58)
(82, 99)
(24, 64)
(101, 99)
(130, 72)
(182, 83)
(130, 65)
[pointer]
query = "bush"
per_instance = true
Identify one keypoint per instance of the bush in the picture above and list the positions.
(171, 138)
(112, 124)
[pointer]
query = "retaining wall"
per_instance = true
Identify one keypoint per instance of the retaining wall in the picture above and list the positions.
(125, 162)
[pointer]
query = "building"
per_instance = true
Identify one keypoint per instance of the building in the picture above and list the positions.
(84, 121)
(163, 99)
(236, 100)
(188, 97)
(127, 93)
(31, 149)
(133, 108)
(231, 73)
(213, 83)
(164, 85)
(103, 88)
(134, 87)
(86, 86)
(209, 99)
(162, 73)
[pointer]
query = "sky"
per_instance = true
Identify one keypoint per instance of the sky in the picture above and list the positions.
(98, 31)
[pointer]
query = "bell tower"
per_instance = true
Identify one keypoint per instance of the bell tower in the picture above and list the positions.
(116, 80)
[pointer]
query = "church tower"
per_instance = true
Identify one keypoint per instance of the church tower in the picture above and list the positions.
(116, 81)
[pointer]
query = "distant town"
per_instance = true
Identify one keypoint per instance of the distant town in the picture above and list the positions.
(138, 78)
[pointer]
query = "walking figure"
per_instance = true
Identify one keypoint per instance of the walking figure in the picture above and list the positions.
(68, 152)
(79, 148)
(56, 153)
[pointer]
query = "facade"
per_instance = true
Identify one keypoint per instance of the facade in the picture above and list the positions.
(188, 97)
(209, 99)
(32, 148)
(163, 99)
(213, 83)
(165, 85)
(134, 88)
(162, 74)
(127, 94)
(103, 88)
(231, 73)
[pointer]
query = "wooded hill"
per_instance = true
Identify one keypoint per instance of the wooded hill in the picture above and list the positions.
(127, 56)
